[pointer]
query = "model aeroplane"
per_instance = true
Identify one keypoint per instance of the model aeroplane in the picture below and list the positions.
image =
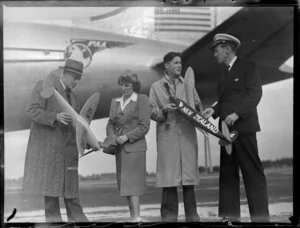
(81, 121)
(188, 111)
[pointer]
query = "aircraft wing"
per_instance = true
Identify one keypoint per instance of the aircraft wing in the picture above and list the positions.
(266, 34)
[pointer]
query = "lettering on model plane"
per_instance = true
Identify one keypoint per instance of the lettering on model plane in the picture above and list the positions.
(197, 117)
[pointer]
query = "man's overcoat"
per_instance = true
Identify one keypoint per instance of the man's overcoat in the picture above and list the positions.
(177, 149)
(51, 165)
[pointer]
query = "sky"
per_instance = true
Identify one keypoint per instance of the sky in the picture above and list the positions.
(275, 140)
(275, 110)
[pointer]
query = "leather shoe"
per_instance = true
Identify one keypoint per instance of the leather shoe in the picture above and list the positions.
(229, 220)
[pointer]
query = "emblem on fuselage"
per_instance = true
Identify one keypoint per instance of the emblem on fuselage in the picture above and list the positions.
(83, 50)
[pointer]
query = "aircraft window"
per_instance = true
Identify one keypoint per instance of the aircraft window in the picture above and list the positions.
(25, 55)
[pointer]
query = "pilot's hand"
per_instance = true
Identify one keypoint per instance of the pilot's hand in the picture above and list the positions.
(230, 119)
(63, 118)
(169, 107)
(122, 139)
(207, 113)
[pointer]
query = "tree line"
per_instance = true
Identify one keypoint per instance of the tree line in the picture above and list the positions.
(279, 163)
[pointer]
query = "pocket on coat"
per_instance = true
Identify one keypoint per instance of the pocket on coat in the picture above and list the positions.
(164, 129)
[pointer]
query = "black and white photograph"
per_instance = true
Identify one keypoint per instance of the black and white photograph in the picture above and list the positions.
(148, 113)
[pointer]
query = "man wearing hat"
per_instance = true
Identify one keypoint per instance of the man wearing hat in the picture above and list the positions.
(51, 165)
(239, 93)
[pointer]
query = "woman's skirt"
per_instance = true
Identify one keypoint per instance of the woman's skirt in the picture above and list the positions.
(131, 172)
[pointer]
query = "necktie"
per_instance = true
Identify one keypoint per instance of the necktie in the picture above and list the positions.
(68, 93)
(226, 72)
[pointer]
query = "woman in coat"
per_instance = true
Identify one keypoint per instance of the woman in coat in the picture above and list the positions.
(130, 119)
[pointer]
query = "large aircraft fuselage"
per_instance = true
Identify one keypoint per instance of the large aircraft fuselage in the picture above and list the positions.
(21, 78)
(22, 73)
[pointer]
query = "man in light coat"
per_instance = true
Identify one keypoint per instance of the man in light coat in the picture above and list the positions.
(51, 165)
(177, 149)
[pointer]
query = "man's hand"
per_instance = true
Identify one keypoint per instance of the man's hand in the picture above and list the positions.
(208, 112)
(122, 139)
(63, 118)
(169, 107)
(230, 119)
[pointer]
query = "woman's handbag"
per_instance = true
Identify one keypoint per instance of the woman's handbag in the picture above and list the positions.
(110, 145)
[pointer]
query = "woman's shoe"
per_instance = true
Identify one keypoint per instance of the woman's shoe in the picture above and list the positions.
(138, 219)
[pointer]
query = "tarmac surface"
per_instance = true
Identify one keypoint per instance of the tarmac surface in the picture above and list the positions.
(101, 201)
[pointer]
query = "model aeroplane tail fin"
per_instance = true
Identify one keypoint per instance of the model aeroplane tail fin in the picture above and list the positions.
(230, 136)
(89, 108)
(83, 136)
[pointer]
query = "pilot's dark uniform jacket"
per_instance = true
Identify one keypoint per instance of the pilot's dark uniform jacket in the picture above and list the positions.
(239, 92)
(51, 165)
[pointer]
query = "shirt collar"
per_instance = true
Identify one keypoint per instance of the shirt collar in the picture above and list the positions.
(232, 62)
(133, 97)
(180, 78)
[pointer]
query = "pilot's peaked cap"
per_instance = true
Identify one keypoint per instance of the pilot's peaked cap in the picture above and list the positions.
(225, 38)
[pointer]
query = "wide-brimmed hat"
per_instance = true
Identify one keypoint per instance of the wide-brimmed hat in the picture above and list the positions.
(225, 38)
(73, 66)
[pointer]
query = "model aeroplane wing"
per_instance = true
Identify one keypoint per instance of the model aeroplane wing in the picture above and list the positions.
(84, 135)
